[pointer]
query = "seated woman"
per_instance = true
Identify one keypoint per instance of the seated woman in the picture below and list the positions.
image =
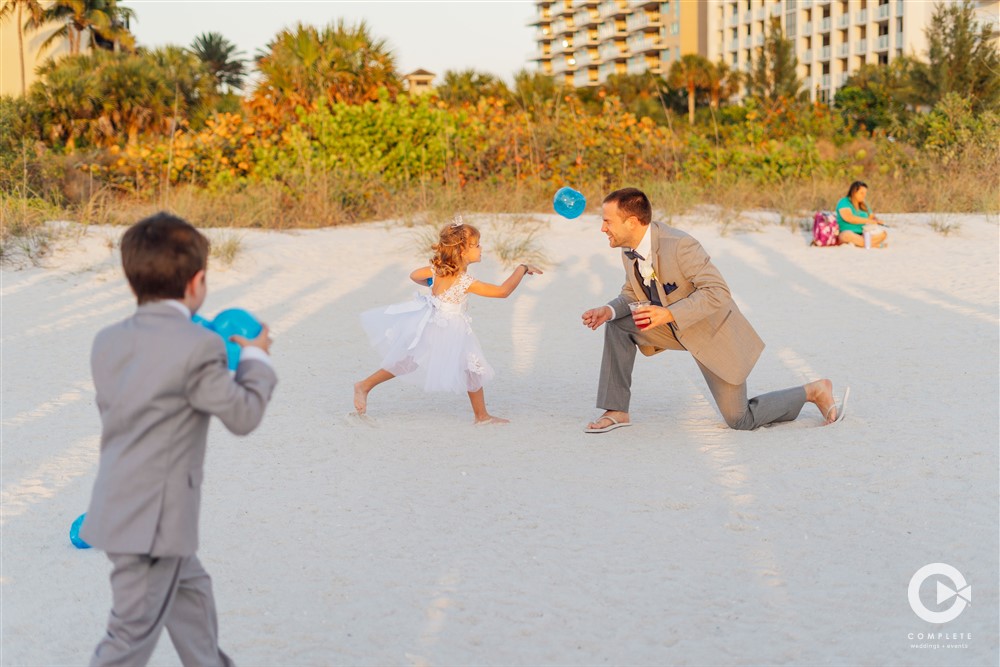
(853, 217)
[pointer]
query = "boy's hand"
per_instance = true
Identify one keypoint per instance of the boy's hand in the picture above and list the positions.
(263, 341)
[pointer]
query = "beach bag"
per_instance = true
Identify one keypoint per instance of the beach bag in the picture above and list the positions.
(826, 231)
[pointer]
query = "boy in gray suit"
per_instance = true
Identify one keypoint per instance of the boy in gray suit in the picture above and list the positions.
(159, 378)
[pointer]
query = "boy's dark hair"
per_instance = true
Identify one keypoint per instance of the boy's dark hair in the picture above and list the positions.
(160, 255)
(632, 201)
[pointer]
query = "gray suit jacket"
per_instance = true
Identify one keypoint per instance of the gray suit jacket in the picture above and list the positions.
(707, 321)
(159, 378)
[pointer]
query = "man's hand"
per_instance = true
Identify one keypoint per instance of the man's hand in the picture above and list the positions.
(595, 317)
(263, 341)
(652, 316)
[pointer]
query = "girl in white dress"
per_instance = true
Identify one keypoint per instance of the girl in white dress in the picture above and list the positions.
(429, 340)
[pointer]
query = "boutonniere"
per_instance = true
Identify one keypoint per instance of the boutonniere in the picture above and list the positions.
(647, 272)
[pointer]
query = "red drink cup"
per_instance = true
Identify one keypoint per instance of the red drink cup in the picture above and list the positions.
(634, 306)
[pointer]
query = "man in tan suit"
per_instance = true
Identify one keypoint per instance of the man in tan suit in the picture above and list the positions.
(691, 309)
(159, 378)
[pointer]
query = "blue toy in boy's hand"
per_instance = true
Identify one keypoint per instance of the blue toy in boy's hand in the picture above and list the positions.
(74, 533)
(232, 322)
(569, 203)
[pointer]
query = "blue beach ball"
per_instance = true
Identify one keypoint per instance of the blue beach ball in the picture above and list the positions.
(569, 203)
(74, 533)
(235, 322)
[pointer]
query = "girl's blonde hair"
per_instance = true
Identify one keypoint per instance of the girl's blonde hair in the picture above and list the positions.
(452, 243)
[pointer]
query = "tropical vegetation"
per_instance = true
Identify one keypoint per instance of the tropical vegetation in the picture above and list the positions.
(327, 133)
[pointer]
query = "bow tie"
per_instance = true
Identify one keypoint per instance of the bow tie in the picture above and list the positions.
(632, 254)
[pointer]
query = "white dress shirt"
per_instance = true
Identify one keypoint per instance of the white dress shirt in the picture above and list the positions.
(645, 250)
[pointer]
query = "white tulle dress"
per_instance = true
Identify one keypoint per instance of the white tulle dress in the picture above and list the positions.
(429, 340)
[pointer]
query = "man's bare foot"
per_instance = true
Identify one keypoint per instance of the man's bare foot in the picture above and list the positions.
(490, 419)
(605, 419)
(360, 397)
(820, 392)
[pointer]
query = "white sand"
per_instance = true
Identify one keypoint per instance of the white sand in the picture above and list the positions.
(427, 541)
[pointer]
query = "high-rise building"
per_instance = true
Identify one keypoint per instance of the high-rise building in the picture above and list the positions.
(583, 42)
(832, 38)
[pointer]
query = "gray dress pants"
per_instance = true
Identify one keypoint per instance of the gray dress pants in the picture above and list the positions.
(614, 390)
(150, 593)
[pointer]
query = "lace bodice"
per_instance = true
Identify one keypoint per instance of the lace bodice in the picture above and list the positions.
(456, 293)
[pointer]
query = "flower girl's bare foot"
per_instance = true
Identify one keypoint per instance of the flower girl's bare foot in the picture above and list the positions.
(490, 419)
(360, 398)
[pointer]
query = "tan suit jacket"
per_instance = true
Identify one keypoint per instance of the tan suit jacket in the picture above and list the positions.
(707, 321)
(159, 378)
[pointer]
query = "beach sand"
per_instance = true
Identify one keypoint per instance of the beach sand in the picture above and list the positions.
(422, 540)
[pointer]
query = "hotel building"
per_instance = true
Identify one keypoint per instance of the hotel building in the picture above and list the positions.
(582, 42)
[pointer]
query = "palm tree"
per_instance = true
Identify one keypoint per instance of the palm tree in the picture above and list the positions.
(721, 81)
(532, 90)
(105, 19)
(339, 63)
(772, 78)
(221, 58)
(689, 73)
(34, 9)
(469, 85)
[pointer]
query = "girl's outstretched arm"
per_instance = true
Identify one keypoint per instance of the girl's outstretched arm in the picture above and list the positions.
(421, 275)
(507, 288)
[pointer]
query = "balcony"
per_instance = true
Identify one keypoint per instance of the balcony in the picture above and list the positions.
(844, 21)
(842, 79)
(645, 45)
(861, 17)
(844, 50)
(585, 18)
(541, 55)
(899, 7)
(609, 30)
(825, 24)
(806, 4)
(543, 34)
(584, 77)
(561, 27)
(734, 45)
(747, 16)
(565, 9)
(759, 14)
(544, 16)
(824, 53)
(734, 20)
(747, 42)
(613, 8)
(613, 52)
(776, 10)
(807, 28)
(882, 43)
(807, 83)
(758, 40)
(641, 21)
(826, 81)
(861, 47)
(587, 39)
(883, 12)
(807, 56)
(564, 46)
